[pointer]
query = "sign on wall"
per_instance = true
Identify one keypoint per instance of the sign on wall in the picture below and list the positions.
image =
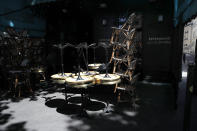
(189, 40)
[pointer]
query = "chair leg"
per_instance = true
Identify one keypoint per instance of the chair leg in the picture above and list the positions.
(19, 91)
(15, 85)
(66, 97)
(118, 99)
(43, 76)
(29, 85)
(134, 99)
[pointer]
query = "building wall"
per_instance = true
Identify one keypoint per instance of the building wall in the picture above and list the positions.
(157, 43)
(184, 11)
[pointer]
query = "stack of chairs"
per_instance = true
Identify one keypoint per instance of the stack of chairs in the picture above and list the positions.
(18, 59)
(124, 57)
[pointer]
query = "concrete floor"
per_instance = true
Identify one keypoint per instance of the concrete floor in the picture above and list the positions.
(46, 111)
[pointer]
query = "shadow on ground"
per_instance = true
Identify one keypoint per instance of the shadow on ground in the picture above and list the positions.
(154, 109)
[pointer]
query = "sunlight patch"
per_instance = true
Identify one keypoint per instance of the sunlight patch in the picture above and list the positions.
(184, 74)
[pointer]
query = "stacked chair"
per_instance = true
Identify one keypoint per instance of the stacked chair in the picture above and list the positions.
(21, 59)
(124, 58)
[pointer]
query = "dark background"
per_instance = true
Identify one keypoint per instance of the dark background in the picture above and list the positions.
(83, 22)
(76, 21)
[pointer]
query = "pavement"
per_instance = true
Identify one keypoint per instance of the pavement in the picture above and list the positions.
(46, 110)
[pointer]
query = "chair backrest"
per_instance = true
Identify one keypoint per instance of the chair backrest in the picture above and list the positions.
(129, 21)
(131, 18)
